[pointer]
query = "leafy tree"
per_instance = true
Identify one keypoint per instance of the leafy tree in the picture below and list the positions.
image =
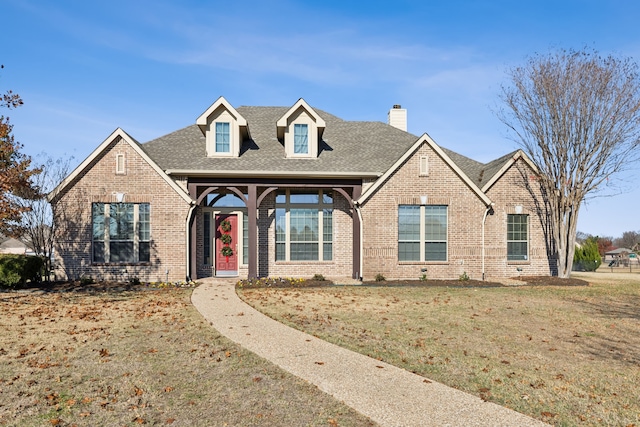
(605, 244)
(576, 116)
(15, 172)
(586, 256)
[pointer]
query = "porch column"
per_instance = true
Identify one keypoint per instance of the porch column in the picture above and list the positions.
(193, 266)
(252, 212)
(356, 273)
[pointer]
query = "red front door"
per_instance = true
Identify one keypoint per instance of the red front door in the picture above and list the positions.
(226, 244)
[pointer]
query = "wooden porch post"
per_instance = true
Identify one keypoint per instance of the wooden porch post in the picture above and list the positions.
(252, 212)
(356, 273)
(193, 266)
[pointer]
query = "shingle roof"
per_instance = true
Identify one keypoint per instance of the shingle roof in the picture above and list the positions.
(354, 147)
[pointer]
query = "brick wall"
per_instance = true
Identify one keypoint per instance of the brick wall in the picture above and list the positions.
(140, 184)
(517, 187)
(466, 210)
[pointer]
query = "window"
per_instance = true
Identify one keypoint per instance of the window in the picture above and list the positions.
(304, 226)
(422, 233)
(121, 232)
(222, 137)
(207, 238)
(517, 237)
(300, 139)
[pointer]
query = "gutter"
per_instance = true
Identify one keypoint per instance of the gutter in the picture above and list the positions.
(484, 220)
(270, 174)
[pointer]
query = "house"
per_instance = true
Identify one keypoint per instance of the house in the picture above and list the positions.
(10, 245)
(293, 192)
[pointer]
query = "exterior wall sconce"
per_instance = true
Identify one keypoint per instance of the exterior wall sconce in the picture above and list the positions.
(518, 209)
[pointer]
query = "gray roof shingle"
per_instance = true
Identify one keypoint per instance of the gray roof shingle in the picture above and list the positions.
(367, 148)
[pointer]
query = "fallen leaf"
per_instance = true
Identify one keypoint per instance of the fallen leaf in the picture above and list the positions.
(319, 363)
(168, 389)
(426, 381)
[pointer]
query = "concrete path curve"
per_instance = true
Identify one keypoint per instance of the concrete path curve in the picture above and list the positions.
(386, 394)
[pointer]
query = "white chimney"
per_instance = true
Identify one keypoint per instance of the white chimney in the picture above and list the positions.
(398, 117)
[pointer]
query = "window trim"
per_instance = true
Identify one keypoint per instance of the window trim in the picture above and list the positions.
(106, 240)
(422, 236)
(526, 241)
(322, 208)
(227, 133)
(121, 167)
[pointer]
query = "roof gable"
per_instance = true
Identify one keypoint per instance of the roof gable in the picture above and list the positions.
(221, 102)
(500, 166)
(424, 139)
(87, 163)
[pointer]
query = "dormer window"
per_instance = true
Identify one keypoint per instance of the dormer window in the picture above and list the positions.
(300, 129)
(222, 137)
(301, 138)
(224, 129)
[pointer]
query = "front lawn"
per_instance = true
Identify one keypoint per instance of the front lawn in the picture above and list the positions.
(567, 355)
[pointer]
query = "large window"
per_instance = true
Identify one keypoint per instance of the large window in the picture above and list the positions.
(517, 237)
(222, 137)
(300, 139)
(304, 226)
(121, 232)
(422, 233)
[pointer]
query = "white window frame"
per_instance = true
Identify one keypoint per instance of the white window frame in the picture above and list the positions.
(321, 207)
(215, 137)
(526, 241)
(106, 238)
(423, 241)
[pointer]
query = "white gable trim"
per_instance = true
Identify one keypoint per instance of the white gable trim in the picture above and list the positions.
(424, 139)
(102, 147)
(518, 155)
(282, 122)
(202, 120)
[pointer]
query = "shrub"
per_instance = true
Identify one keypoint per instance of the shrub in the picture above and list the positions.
(587, 257)
(318, 277)
(380, 278)
(17, 269)
(463, 277)
(135, 281)
(86, 280)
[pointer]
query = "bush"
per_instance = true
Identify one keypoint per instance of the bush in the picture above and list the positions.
(587, 257)
(380, 278)
(17, 269)
(319, 277)
(463, 277)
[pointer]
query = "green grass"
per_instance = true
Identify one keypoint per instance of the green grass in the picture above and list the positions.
(564, 355)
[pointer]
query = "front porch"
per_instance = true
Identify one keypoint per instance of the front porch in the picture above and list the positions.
(282, 227)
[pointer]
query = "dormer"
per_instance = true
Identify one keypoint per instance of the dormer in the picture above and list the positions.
(301, 130)
(224, 129)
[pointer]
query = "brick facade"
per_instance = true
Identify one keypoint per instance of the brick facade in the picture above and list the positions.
(465, 209)
(140, 183)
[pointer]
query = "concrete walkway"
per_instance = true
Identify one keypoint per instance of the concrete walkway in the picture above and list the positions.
(388, 395)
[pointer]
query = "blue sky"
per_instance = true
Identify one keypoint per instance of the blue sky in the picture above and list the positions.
(84, 68)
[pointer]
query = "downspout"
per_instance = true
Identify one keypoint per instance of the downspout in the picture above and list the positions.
(357, 208)
(484, 220)
(192, 206)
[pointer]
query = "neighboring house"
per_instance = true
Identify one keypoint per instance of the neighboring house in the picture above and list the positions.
(620, 256)
(9, 245)
(300, 192)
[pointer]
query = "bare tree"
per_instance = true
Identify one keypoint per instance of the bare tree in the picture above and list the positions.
(576, 115)
(628, 240)
(38, 224)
